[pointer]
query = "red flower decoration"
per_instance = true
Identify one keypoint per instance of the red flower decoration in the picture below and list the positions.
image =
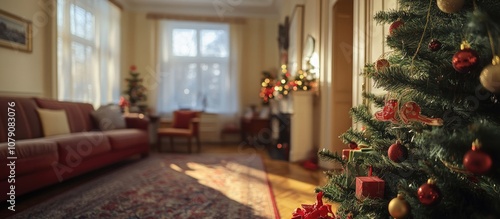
(133, 68)
(317, 210)
(123, 102)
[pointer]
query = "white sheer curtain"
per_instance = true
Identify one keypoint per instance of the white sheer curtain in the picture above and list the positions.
(88, 51)
(198, 67)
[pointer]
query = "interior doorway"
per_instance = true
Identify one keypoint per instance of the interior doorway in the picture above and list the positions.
(342, 70)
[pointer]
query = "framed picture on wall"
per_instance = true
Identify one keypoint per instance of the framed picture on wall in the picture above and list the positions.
(296, 32)
(15, 32)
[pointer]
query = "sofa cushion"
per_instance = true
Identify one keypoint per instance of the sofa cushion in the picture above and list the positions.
(75, 147)
(79, 117)
(125, 138)
(109, 117)
(27, 123)
(32, 155)
(54, 122)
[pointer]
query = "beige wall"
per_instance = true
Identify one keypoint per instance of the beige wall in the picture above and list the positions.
(29, 74)
(311, 21)
(260, 52)
(32, 74)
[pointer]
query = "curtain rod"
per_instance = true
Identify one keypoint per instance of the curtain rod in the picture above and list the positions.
(237, 20)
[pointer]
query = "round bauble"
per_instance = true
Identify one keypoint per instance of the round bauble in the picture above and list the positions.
(395, 25)
(434, 45)
(477, 161)
(382, 64)
(428, 193)
(450, 6)
(465, 60)
(397, 152)
(398, 207)
(353, 145)
(490, 78)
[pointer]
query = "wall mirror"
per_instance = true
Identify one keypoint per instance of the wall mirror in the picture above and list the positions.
(308, 47)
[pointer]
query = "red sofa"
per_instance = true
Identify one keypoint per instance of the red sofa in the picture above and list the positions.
(43, 161)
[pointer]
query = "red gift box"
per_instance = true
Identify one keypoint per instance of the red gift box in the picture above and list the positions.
(345, 153)
(369, 187)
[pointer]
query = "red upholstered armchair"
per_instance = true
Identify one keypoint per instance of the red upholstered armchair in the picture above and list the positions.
(185, 124)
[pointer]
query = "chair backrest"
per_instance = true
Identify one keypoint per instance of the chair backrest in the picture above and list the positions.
(183, 118)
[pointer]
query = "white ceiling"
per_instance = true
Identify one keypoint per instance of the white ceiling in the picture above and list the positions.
(230, 8)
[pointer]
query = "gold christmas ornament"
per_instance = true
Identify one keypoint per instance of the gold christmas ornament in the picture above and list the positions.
(450, 6)
(490, 76)
(398, 207)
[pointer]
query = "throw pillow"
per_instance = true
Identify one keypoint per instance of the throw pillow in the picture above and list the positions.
(54, 122)
(109, 117)
(182, 119)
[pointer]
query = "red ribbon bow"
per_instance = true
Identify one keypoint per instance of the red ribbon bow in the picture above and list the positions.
(315, 211)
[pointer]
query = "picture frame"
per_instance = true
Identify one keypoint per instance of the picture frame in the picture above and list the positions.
(296, 30)
(15, 32)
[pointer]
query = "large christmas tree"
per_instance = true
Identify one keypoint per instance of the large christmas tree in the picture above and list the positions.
(433, 146)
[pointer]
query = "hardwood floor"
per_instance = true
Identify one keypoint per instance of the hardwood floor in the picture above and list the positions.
(292, 185)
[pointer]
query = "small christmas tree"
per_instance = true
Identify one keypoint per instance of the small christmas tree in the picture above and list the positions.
(267, 89)
(135, 90)
(282, 86)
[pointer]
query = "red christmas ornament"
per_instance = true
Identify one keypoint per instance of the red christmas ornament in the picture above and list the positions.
(382, 64)
(435, 45)
(395, 26)
(397, 152)
(477, 161)
(466, 59)
(353, 145)
(411, 112)
(389, 112)
(428, 193)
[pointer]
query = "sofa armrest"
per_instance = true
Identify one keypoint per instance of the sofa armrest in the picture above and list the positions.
(137, 121)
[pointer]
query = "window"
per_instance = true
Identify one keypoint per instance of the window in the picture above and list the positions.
(88, 42)
(194, 68)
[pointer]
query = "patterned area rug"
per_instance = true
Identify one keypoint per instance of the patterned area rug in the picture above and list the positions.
(170, 186)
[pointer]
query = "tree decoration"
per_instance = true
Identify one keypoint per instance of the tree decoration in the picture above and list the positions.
(434, 45)
(267, 87)
(490, 76)
(409, 112)
(450, 6)
(314, 211)
(428, 193)
(301, 82)
(282, 87)
(353, 145)
(395, 25)
(476, 161)
(382, 64)
(397, 152)
(399, 207)
(389, 112)
(135, 90)
(466, 59)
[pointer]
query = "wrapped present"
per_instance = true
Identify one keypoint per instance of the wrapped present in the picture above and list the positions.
(345, 153)
(355, 155)
(369, 186)
(353, 169)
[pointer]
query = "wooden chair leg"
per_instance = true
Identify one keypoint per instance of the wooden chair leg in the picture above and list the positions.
(172, 143)
(189, 144)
